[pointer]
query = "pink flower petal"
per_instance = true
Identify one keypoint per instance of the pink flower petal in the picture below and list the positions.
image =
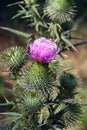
(43, 50)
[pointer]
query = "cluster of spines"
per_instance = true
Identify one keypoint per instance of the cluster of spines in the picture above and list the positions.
(32, 101)
(60, 10)
(37, 77)
(14, 58)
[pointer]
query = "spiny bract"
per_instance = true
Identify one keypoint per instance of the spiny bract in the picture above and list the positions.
(37, 77)
(73, 112)
(32, 101)
(14, 58)
(69, 81)
(60, 10)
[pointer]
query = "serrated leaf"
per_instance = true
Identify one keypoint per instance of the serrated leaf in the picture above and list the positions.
(20, 33)
(6, 104)
(68, 42)
(17, 15)
(14, 114)
(35, 10)
(16, 3)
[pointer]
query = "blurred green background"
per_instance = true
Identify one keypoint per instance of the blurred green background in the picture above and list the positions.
(78, 60)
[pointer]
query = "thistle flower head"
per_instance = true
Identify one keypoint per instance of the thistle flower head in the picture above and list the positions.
(43, 50)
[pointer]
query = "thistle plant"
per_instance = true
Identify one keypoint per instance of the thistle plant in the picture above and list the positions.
(45, 93)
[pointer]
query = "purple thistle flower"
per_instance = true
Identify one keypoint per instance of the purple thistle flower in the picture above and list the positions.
(43, 50)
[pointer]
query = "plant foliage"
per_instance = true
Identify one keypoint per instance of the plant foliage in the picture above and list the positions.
(44, 93)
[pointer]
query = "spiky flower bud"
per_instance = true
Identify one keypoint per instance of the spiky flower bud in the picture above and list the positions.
(68, 81)
(13, 58)
(37, 77)
(32, 101)
(60, 10)
(67, 25)
(70, 117)
(43, 50)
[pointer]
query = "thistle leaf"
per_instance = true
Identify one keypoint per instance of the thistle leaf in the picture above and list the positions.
(13, 114)
(35, 10)
(29, 2)
(6, 104)
(68, 42)
(16, 3)
(20, 33)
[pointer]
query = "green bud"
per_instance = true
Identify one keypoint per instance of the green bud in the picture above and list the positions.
(37, 77)
(67, 25)
(32, 101)
(60, 10)
(68, 81)
(13, 58)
